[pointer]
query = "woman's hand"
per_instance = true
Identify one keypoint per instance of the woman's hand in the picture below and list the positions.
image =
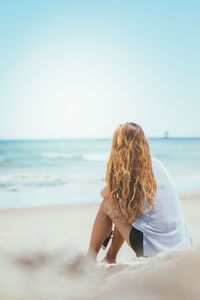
(104, 192)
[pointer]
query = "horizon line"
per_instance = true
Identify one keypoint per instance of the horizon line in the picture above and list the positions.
(96, 138)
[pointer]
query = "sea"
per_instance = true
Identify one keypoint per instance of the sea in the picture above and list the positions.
(72, 171)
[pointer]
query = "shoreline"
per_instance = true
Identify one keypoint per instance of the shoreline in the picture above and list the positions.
(44, 207)
(182, 196)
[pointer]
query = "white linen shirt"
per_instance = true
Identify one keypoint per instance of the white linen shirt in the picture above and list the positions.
(163, 227)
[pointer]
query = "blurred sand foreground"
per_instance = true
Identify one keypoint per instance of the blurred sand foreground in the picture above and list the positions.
(42, 257)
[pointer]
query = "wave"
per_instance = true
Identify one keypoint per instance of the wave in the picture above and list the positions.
(96, 156)
(9, 163)
(14, 182)
(27, 179)
(60, 155)
(87, 156)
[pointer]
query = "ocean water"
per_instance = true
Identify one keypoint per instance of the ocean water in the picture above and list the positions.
(50, 172)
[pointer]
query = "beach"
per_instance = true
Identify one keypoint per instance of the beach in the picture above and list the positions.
(43, 257)
(99, 99)
(50, 193)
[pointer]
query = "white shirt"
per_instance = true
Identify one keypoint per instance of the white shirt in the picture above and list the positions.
(163, 227)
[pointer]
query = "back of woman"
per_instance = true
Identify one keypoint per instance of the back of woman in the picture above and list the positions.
(163, 226)
(140, 200)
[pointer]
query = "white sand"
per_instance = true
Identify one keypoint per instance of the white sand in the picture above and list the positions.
(42, 257)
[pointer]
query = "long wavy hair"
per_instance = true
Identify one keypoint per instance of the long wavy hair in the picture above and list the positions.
(129, 176)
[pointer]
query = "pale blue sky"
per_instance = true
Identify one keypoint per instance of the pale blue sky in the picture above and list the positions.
(80, 68)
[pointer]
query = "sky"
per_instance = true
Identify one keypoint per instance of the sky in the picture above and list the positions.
(78, 69)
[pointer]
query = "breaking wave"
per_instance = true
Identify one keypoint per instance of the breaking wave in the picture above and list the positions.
(28, 179)
(87, 156)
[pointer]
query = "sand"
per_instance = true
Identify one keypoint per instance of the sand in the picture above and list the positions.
(42, 257)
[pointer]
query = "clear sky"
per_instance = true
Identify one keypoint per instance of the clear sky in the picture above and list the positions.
(73, 69)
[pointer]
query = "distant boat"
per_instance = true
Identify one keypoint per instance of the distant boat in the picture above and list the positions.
(166, 135)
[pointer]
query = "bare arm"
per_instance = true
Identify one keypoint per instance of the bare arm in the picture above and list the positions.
(104, 192)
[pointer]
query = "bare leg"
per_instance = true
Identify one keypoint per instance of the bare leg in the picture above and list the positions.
(117, 243)
(101, 229)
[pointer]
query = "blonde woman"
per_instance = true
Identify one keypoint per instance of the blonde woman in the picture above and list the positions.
(139, 200)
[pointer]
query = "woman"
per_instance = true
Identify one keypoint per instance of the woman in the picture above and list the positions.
(140, 199)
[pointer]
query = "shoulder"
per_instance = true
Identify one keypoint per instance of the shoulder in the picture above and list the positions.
(159, 169)
(157, 164)
(156, 161)
(162, 175)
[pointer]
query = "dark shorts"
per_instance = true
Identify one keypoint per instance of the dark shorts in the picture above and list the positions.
(136, 241)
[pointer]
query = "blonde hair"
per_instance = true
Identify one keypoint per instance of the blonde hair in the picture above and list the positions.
(129, 176)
